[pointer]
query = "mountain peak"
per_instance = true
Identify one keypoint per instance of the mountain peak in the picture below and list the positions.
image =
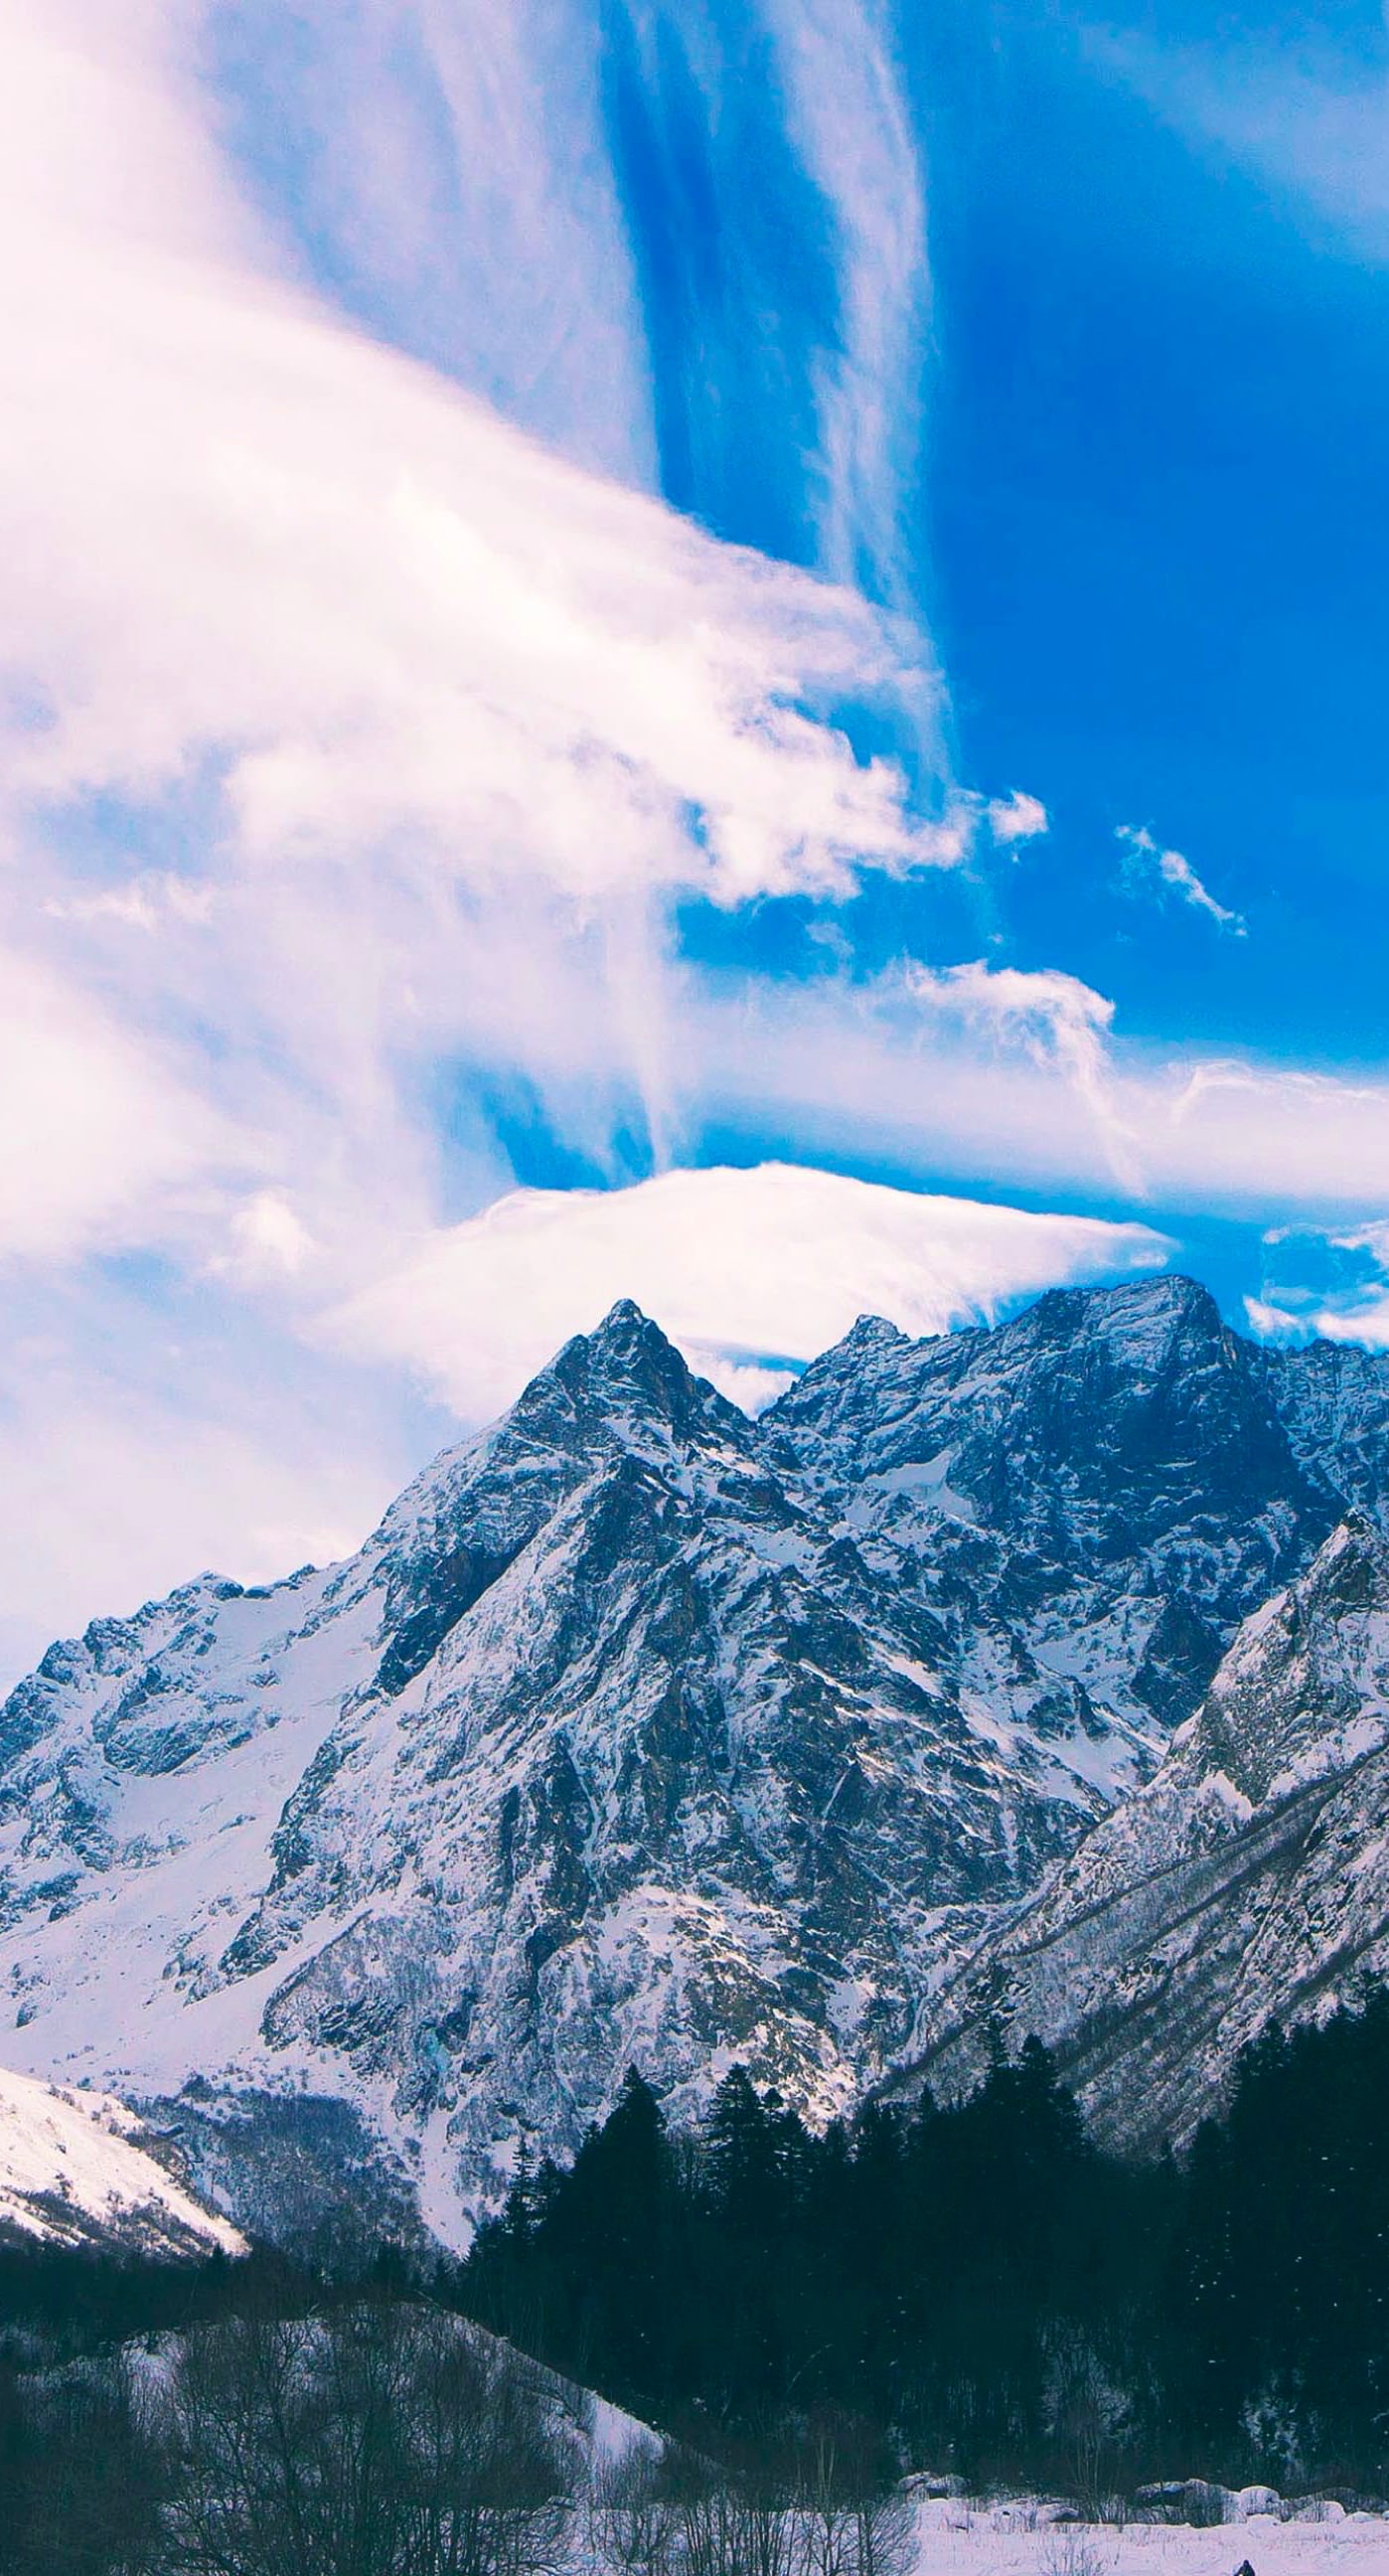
(640, 1729)
(627, 1369)
(1166, 1300)
(873, 1332)
(1169, 1292)
(1352, 1566)
(624, 1319)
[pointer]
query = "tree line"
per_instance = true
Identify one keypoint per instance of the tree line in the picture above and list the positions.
(981, 2287)
(377, 2433)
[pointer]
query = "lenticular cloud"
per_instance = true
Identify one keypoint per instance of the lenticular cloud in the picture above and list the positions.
(740, 1267)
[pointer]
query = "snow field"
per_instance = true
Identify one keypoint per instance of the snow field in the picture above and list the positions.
(960, 2539)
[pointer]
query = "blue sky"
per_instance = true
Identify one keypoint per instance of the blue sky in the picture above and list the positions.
(629, 592)
(1136, 449)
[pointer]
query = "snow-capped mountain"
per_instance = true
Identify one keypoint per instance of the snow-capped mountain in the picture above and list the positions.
(641, 1731)
(75, 2169)
(1248, 1881)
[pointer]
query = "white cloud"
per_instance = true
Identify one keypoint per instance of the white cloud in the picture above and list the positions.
(1356, 1310)
(460, 160)
(436, 723)
(1367, 1322)
(1054, 1015)
(1148, 861)
(1017, 817)
(454, 158)
(269, 1241)
(1029, 1080)
(846, 102)
(1053, 1019)
(145, 1437)
(767, 1264)
(96, 1128)
(1273, 1323)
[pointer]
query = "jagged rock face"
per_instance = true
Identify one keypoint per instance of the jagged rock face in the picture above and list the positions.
(1248, 1881)
(1125, 1476)
(641, 1732)
(1333, 1401)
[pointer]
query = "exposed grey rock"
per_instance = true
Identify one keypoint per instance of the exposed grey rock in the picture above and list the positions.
(1125, 1476)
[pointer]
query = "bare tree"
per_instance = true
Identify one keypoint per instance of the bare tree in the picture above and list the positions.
(853, 2520)
(80, 2480)
(632, 2520)
(383, 2440)
(490, 2466)
(1086, 2409)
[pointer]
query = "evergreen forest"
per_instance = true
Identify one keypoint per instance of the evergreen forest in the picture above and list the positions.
(980, 2288)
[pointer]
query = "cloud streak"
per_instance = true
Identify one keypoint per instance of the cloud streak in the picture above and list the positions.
(1029, 1077)
(476, 180)
(1147, 863)
(1315, 124)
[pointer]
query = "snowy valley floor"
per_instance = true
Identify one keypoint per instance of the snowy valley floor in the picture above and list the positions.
(959, 2539)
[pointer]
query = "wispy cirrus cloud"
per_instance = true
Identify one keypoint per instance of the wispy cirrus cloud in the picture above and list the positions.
(1033, 1079)
(1052, 1019)
(401, 688)
(475, 180)
(1312, 121)
(1149, 864)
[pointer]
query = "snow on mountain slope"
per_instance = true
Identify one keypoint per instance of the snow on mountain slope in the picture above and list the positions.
(608, 1747)
(73, 2172)
(642, 1732)
(1248, 1881)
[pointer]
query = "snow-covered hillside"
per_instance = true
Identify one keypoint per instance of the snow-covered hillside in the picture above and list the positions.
(73, 2171)
(642, 1732)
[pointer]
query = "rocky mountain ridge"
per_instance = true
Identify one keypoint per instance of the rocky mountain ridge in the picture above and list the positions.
(641, 1731)
(1247, 1882)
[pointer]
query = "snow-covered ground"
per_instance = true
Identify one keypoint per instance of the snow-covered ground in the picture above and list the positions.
(960, 2539)
(72, 2170)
